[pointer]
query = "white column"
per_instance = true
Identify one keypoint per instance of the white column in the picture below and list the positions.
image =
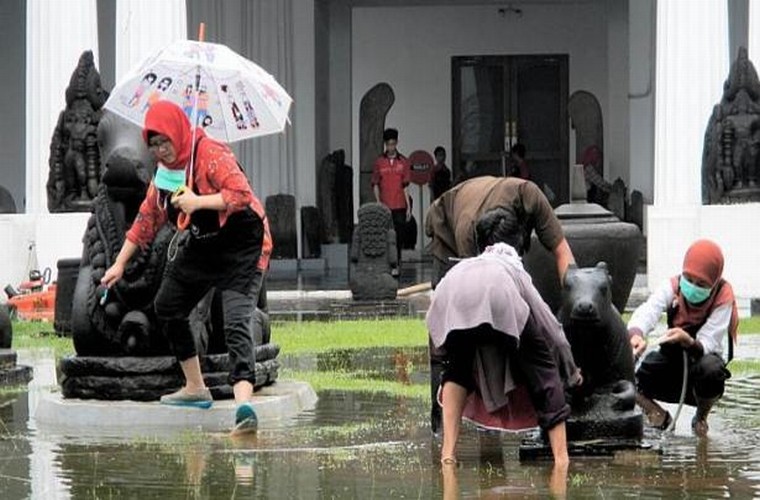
(692, 63)
(303, 114)
(754, 32)
(144, 26)
(56, 35)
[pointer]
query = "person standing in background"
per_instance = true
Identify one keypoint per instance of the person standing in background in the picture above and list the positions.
(391, 175)
(519, 165)
(441, 180)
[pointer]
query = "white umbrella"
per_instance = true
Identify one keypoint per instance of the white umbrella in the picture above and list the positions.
(229, 96)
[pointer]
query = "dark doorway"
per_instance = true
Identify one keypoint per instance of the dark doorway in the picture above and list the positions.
(498, 101)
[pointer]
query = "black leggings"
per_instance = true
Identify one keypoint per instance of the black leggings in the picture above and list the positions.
(660, 376)
(175, 300)
(399, 224)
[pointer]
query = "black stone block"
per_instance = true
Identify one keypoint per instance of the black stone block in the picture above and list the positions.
(311, 233)
(68, 270)
(18, 375)
(7, 359)
(281, 211)
(151, 365)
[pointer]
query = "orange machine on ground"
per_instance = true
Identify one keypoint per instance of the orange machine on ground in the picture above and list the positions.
(34, 299)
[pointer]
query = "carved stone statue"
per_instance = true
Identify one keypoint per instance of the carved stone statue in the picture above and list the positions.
(281, 211)
(11, 374)
(604, 406)
(6, 328)
(373, 255)
(121, 351)
(604, 416)
(326, 199)
(344, 196)
(586, 118)
(730, 167)
(336, 197)
(373, 108)
(74, 157)
(97, 328)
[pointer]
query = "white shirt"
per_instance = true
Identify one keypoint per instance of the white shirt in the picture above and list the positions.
(711, 335)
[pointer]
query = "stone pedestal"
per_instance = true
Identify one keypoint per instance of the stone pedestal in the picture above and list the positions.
(282, 400)
(12, 374)
(148, 378)
(370, 309)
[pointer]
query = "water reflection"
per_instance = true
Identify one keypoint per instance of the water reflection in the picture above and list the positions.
(362, 444)
(407, 365)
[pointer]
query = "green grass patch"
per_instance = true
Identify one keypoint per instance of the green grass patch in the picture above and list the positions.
(321, 336)
(749, 325)
(356, 382)
(12, 390)
(743, 367)
(293, 337)
(40, 334)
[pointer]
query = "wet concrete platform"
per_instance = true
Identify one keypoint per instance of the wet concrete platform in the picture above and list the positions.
(282, 400)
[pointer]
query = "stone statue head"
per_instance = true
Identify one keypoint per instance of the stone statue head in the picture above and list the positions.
(374, 223)
(339, 157)
(85, 83)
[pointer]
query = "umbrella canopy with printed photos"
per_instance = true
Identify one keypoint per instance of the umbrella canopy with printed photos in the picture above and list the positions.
(227, 95)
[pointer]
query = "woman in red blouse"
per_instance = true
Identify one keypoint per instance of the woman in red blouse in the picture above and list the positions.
(228, 248)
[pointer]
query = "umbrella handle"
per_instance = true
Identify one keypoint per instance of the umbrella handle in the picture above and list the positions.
(183, 221)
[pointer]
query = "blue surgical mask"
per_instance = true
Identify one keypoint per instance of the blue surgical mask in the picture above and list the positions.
(168, 179)
(692, 293)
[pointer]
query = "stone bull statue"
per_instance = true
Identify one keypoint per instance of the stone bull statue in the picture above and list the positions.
(603, 408)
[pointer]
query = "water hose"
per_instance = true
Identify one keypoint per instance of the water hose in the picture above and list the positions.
(685, 382)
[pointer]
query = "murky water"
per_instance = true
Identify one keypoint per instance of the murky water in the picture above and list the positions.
(363, 445)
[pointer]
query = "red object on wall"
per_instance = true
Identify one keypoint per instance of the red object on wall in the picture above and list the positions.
(421, 166)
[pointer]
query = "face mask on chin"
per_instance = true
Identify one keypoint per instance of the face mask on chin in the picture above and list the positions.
(692, 293)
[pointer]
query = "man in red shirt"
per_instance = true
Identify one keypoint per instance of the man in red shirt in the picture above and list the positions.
(390, 177)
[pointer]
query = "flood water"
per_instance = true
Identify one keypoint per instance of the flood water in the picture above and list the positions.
(362, 445)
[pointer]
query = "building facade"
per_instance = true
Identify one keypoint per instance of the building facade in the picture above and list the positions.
(655, 67)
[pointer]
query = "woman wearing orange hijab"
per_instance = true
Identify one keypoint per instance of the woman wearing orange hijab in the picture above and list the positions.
(702, 315)
(228, 248)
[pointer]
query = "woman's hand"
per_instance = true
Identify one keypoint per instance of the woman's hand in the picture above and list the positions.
(678, 336)
(639, 345)
(579, 378)
(112, 275)
(186, 201)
